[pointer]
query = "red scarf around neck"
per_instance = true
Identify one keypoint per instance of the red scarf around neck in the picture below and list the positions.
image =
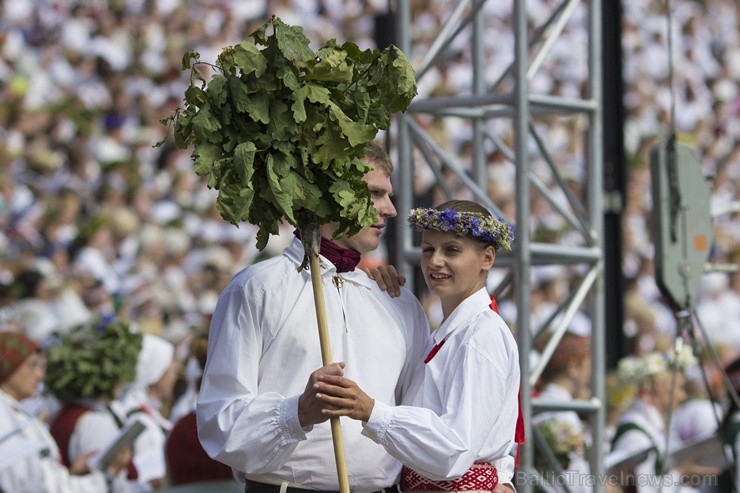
(344, 259)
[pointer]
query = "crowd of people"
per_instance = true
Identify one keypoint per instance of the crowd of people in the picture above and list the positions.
(98, 223)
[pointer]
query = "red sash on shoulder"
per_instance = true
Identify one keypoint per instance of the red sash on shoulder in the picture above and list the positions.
(519, 431)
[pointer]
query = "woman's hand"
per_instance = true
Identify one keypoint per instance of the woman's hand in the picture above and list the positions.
(121, 460)
(79, 466)
(344, 398)
(387, 278)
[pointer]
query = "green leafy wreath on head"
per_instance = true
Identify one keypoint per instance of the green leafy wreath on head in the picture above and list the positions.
(93, 361)
(281, 130)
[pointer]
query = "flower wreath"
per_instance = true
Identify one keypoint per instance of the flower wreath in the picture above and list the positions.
(634, 369)
(489, 229)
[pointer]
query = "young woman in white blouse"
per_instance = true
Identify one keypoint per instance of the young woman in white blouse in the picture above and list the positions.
(461, 414)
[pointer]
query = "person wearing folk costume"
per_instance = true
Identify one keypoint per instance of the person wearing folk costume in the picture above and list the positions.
(643, 425)
(40, 469)
(729, 478)
(156, 374)
(187, 462)
(566, 377)
(255, 411)
(87, 368)
(462, 412)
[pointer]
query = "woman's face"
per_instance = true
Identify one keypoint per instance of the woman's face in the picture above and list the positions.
(164, 387)
(25, 380)
(668, 394)
(454, 267)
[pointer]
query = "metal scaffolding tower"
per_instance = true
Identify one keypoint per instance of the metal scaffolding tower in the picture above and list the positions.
(508, 97)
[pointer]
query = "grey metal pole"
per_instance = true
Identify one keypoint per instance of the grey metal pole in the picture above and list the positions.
(521, 245)
(478, 166)
(404, 238)
(596, 207)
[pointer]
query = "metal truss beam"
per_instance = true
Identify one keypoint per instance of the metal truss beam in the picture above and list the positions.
(509, 97)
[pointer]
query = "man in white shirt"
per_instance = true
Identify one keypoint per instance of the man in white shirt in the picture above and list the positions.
(255, 411)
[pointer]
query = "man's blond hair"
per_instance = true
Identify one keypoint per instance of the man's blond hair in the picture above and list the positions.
(376, 155)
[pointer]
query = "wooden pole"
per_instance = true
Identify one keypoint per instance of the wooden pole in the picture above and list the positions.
(336, 430)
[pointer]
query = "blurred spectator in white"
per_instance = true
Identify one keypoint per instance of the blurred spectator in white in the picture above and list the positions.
(566, 376)
(146, 399)
(36, 314)
(718, 310)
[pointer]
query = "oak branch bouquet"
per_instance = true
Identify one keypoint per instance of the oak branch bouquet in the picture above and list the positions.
(280, 130)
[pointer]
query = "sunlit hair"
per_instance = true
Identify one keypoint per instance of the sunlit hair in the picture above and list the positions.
(375, 154)
(464, 218)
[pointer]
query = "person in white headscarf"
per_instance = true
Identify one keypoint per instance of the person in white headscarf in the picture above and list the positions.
(156, 374)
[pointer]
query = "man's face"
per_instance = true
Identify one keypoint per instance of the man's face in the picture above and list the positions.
(381, 192)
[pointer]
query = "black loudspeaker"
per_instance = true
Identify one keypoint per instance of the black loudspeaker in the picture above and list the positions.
(682, 222)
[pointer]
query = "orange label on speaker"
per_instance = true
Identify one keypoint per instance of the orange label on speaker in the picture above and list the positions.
(700, 243)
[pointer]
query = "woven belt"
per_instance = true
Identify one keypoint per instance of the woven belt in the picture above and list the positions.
(481, 476)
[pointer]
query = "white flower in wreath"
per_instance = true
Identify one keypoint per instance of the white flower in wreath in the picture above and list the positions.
(629, 369)
(653, 364)
(634, 369)
(685, 358)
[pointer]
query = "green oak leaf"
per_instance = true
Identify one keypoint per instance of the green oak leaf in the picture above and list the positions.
(187, 59)
(356, 133)
(287, 74)
(278, 166)
(205, 124)
(216, 91)
(291, 41)
(205, 155)
(249, 59)
(244, 162)
(330, 65)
